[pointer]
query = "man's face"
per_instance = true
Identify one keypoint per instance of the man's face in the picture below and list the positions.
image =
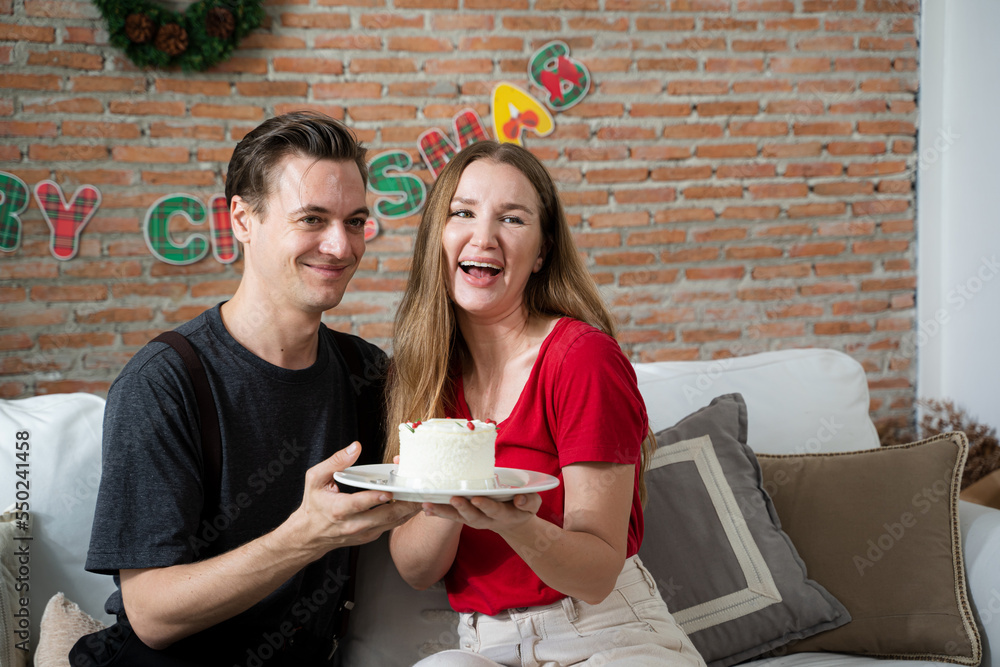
(305, 247)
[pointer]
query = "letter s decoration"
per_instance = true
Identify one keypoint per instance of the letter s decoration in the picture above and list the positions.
(566, 80)
(405, 193)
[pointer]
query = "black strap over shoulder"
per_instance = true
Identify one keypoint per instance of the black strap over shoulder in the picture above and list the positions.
(354, 366)
(367, 380)
(368, 424)
(211, 439)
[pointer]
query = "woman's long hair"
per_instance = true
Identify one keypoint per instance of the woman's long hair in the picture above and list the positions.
(427, 342)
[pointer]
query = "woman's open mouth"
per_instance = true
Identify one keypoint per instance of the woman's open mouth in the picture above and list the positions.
(480, 269)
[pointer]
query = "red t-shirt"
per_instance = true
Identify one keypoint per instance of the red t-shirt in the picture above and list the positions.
(581, 403)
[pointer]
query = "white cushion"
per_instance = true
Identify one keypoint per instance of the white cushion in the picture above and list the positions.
(981, 547)
(64, 474)
(798, 401)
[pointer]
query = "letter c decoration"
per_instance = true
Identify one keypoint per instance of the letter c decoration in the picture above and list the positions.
(156, 230)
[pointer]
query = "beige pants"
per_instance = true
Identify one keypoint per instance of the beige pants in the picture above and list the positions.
(631, 627)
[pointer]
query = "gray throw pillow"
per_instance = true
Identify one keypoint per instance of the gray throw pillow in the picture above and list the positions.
(730, 576)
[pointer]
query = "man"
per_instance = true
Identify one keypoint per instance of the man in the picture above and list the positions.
(259, 581)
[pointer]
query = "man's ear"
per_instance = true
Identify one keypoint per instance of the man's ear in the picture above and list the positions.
(240, 217)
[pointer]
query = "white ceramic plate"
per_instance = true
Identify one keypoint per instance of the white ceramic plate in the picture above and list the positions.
(512, 481)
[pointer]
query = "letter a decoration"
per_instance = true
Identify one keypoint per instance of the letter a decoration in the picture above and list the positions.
(66, 220)
(515, 111)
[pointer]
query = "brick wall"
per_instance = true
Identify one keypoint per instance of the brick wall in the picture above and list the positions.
(740, 176)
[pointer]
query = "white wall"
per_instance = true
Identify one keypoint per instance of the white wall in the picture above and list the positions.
(958, 207)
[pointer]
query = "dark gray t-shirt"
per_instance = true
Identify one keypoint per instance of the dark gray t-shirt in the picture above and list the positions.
(274, 423)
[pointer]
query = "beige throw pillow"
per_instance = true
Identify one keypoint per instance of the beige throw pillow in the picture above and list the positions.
(63, 623)
(879, 529)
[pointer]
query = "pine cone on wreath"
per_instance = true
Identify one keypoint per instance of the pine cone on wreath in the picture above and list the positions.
(220, 23)
(139, 28)
(172, 39)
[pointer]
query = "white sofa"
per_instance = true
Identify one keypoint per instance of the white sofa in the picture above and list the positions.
(798, 401)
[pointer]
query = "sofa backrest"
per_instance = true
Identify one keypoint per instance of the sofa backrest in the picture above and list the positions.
(798, 401)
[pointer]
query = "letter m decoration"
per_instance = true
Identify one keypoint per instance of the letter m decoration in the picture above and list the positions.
(566, 80)
(437, 150)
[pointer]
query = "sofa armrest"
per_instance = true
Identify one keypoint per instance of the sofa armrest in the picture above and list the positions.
(981, 546)
(65, 474)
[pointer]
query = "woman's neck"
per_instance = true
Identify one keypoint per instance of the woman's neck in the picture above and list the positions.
(499, 361)
(492, 344)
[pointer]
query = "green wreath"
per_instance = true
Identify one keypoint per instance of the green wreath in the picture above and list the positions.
(153, 36)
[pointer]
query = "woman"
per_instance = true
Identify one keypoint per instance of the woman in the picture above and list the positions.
(501, 321)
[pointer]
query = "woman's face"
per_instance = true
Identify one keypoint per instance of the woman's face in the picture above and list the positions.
(492, 240)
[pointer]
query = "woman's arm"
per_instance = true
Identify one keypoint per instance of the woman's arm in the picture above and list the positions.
(584, 557)
(424, 548)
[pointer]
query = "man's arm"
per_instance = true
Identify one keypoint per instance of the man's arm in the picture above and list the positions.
(169, 603)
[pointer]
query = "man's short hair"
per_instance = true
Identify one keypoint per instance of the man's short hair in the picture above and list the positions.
(307, 134)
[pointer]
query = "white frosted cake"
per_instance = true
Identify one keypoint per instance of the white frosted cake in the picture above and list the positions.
(444, 453)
